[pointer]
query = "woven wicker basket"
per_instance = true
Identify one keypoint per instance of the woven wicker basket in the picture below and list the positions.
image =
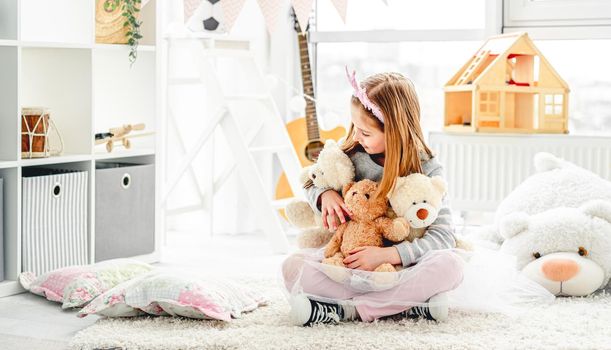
(109, 28)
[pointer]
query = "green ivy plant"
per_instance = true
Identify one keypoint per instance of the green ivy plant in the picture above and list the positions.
(129, 9)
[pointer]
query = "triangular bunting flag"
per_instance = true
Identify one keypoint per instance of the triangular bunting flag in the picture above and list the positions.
(231, 11)
(270, 10)
(189, 7)
(302, 8)
(341, 6)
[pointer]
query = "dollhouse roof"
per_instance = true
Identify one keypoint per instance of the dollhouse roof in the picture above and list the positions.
(487, 66)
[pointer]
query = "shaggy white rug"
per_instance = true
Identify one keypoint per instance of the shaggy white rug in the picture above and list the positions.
(569, 323)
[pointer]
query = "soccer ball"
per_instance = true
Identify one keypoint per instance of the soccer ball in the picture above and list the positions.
(207, 17)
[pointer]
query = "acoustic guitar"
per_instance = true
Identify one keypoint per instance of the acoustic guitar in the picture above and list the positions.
(306, 136)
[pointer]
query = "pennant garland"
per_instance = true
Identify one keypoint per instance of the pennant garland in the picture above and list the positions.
(269, 8)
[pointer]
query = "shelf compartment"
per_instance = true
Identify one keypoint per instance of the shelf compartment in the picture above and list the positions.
(147, 29)
(122, 94)
(11, 179)
(9, 110)
(60, 80)
(1, 229)
(8, 19)
(59, 21)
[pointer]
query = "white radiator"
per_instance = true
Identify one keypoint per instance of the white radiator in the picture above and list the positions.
(481, 169)
(54, 221)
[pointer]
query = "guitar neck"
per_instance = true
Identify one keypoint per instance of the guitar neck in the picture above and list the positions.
(308, 88)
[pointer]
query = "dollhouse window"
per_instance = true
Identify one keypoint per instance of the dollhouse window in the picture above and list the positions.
(553, 104)
(489, 103)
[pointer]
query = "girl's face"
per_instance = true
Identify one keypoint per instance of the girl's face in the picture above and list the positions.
(366, 132)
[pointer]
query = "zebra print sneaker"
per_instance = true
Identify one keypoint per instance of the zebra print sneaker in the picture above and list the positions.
(308, 312)
(436, 309)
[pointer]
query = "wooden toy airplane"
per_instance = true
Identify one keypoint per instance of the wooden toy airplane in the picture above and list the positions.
(122, 135)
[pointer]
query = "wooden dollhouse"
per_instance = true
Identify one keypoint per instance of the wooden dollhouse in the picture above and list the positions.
(507, 86)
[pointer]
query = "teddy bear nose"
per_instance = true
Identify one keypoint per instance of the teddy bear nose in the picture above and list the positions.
(560, 270)
(422, 214)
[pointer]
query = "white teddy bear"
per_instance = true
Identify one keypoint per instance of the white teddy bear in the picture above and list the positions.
(561, 213)
(557, 183)
(333, 169)
(566, 250)
(417, 198)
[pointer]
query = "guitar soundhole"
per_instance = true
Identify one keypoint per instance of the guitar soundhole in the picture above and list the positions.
(313, 149)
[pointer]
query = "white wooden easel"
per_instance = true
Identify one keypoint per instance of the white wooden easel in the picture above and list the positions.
(207, 50)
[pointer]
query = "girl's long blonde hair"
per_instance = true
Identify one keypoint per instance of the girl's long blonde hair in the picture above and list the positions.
(404, 142)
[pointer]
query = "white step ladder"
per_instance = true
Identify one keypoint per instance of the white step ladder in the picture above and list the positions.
(270, 131)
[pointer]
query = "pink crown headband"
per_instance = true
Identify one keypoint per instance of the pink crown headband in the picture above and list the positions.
(361, 94)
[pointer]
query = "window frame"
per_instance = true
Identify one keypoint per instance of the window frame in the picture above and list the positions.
(493, 26)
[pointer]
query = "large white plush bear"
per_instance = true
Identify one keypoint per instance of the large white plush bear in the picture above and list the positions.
(557, 222)
(566, 250)
(557, 183)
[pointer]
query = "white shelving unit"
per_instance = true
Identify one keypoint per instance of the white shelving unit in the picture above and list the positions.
(49, 58)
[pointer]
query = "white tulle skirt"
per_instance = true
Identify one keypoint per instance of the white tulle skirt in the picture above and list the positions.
(489, 282)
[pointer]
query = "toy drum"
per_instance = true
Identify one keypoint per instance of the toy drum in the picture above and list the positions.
(35, 126)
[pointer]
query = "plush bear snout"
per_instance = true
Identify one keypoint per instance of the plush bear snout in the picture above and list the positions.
(560, 270)
(422, 214)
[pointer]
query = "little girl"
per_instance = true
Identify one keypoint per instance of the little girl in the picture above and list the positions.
(384, 142)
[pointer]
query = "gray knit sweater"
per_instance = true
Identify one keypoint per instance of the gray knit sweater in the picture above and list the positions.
(440, 235)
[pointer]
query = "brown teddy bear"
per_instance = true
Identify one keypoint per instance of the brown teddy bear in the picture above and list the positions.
(368, 226)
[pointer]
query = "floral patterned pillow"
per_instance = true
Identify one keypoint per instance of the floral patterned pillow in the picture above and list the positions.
(176, 294)
(75, 286)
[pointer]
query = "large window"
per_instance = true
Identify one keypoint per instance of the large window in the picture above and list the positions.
(430, 63)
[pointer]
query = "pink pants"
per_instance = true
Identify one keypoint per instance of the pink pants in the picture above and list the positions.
(441, 271)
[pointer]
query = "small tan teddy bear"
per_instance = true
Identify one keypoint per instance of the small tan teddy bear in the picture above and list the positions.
(368, 226)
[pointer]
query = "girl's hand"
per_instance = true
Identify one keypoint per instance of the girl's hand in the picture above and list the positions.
(368, 258)
(333, 208)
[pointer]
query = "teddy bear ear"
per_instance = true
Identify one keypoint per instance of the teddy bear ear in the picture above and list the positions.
(440, 184)
(513, 224)
(347, 188)
(544, 161)
(598, 208)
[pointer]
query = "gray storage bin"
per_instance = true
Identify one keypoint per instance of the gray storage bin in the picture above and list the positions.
(54, 219)
(124, 210)
(1, 232)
